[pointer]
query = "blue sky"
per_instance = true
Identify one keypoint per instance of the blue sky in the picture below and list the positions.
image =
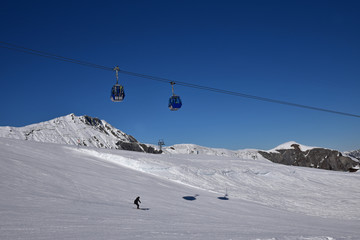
(304, 52)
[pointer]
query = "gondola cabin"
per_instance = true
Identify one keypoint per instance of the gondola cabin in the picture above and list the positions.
(175, 103)
(117, 93)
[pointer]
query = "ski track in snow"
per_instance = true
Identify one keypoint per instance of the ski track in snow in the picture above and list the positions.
(52, 191)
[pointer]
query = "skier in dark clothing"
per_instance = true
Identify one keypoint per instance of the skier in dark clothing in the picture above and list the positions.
(137, 201)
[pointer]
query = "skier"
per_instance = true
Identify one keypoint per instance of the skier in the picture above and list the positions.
(137, 201)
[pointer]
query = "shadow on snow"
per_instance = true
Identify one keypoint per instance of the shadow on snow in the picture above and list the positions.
(190, 198)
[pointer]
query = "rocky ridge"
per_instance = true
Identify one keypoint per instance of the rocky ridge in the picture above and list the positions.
(311, 157)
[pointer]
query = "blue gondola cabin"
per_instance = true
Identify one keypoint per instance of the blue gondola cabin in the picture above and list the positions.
(175, 103)
(117, 93)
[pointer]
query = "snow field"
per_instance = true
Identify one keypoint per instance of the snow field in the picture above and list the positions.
(304, 190)
(52, 191)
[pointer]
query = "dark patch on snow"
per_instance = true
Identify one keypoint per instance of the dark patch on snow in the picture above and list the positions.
(190, 198)
(223, 198)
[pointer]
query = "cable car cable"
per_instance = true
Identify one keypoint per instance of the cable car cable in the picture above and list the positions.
(159, 79)
(238, 94)
(51, 55)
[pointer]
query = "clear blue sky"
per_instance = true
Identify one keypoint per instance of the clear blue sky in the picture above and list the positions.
(305, 52)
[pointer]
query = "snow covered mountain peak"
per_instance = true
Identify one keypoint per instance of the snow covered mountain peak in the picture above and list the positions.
(72, 130)
(291, 145)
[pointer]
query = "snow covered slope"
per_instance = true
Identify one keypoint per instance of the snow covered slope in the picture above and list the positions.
(200, 150)
(54, 191)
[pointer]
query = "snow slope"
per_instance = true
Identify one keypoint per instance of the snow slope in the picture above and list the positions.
(53, 191)
(200, 150)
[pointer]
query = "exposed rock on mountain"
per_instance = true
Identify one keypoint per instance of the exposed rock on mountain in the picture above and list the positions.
(311, 157)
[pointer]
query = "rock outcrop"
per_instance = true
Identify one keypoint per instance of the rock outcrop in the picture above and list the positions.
(314, 158)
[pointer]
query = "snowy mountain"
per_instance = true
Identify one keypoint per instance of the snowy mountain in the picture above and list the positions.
(93, 132)
(80, 131)
(56, 191)
(290, 145)
(295, 154)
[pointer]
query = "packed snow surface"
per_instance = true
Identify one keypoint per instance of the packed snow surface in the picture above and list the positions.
(196, 149)
(54, 191)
